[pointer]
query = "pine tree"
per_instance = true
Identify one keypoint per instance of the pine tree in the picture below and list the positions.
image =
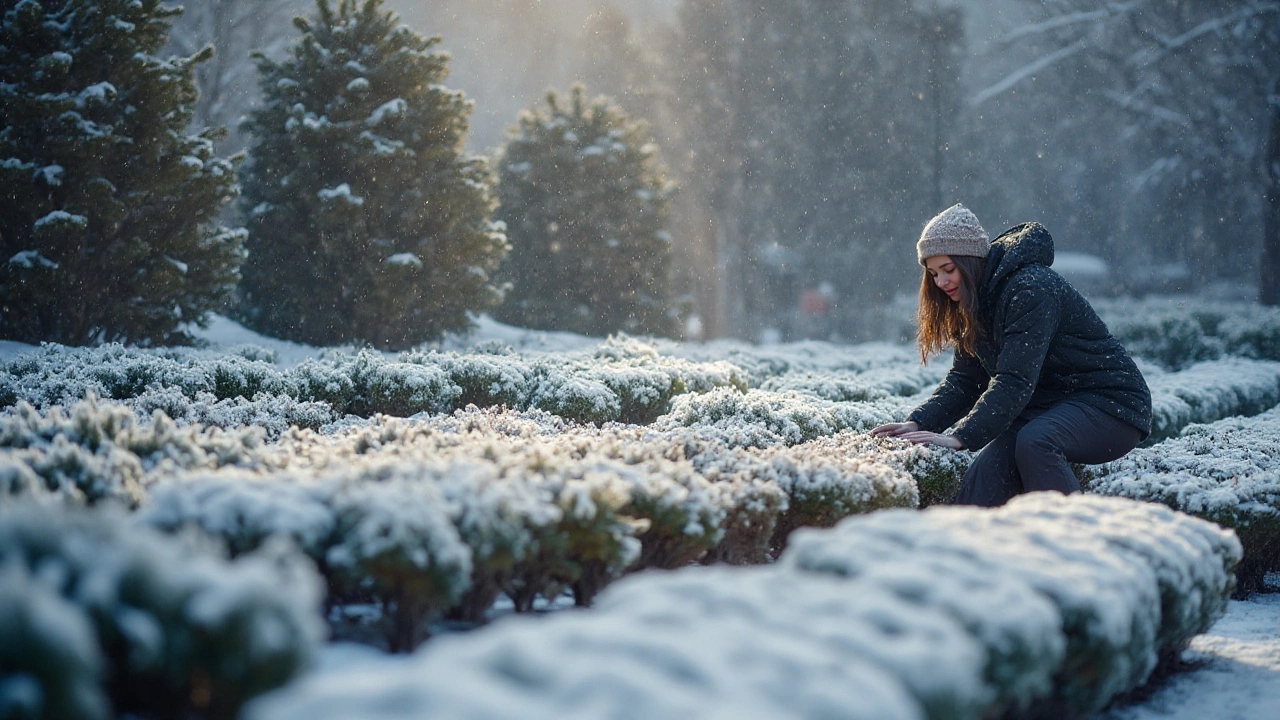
(585, 203)
(367, 222)
(107, 207)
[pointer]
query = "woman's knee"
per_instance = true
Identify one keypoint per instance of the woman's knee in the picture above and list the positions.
(1035, 444)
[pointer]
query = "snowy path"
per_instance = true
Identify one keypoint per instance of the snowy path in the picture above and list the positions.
(1238, 673)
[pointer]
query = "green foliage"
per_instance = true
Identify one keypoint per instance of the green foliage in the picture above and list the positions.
(367, 221)
(586, 205)
(107, 206)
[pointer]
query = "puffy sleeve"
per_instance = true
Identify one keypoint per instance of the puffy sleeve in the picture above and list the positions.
(954, 397)
(1031, 316)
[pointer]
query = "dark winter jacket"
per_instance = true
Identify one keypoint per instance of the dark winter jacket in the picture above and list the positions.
(1042, 344)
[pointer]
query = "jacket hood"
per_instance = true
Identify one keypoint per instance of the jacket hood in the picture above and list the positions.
(1016, 248)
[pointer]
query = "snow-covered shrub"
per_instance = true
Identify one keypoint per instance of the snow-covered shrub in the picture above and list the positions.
(1175, 339)
(50, 663)
(61, 375)
(486, 379)
(376, 534)
(394, 541)
(99, 450)
(752, 506)
(955, 614)
(761, 362)
(1227, 472)
(1194, 561)
(275, 414)
(365, 383)
(244, 511)
(677, 646)
(424, 522)
(865, 623)
(1109, 590)
(937, 471)
(183, 632)
(1019, 628)
(325, 379)
(1177, 332)
(850, 386)
(1210, 391)
(822, 487)
(762, 418)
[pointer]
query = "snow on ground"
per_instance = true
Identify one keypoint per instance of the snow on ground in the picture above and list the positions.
(1234, 675)
(224, 333)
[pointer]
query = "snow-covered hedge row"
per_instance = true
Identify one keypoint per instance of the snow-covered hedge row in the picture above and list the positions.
(1047, 607)
(1177, 332)
(99, 450)
(766, 418)
(1210, 391)
(623, 379)
(1227, 472)
(816, 357)
(1130, 582)
(443, 514)
(100, 617)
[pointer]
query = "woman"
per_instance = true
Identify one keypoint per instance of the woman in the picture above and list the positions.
(1037, 382)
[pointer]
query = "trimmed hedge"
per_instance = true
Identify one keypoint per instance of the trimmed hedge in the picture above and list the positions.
(1227, 472)
(895, 615)
(1177, 332)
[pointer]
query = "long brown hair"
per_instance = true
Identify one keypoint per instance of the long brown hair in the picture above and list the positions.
(945, 322)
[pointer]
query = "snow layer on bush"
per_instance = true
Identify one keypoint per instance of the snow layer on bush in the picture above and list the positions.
(1227, 472)
(663, 656)
(177, 621)
(956, 613)
(1110, 591)
(1193, 559)
(1211, 391)
(876, 627)
(50, 663)
(1178, 331)
(762, 418)
(99, 450)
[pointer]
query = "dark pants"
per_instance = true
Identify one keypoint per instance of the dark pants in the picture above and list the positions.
(1036, 453)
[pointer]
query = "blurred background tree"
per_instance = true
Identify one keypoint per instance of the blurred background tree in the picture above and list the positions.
(585, 203)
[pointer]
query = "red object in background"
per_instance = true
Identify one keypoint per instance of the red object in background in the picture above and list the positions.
(815, 302)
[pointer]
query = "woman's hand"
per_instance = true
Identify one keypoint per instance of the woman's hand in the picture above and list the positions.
(896, 429)
(923, 437)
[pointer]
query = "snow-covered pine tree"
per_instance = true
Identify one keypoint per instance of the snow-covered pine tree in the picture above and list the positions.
(367, 221)
(586, 206)
(107, 206)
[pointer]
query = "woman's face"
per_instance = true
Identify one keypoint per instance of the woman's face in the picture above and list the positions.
(945, 275)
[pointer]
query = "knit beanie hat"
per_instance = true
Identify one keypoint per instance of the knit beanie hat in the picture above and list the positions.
(954, 231)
